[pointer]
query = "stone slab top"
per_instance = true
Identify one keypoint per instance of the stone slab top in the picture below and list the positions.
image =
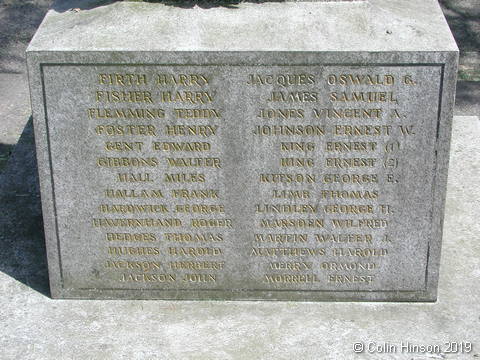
(361, 26)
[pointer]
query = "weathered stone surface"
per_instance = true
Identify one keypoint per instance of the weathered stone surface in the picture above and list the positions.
(244, 156)
(234, 330)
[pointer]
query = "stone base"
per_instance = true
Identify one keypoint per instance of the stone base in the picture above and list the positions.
(388, 69)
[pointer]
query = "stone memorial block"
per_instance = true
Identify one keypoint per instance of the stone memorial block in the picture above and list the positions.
(275, 151)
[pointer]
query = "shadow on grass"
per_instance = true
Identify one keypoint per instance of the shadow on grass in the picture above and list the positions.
(468, 94)
(22, 243)
(19, 21)
(5, 152)
(464, 22)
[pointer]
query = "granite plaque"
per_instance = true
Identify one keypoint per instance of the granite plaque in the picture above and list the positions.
(273, 160)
